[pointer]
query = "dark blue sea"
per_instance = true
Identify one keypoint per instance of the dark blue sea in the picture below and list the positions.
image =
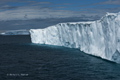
(22, 60)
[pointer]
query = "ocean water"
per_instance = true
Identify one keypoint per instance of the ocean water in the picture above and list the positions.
(22, 60)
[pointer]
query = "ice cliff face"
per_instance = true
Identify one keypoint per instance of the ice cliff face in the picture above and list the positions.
(100, 38)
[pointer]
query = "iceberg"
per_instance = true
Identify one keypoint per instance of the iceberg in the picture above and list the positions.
(15, 32)
(99, 38)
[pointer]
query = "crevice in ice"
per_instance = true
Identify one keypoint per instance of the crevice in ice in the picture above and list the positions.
(116, 56)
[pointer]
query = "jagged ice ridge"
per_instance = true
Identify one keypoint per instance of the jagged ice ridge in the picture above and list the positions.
(100, 38)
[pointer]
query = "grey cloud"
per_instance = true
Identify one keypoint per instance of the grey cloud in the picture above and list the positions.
(7, 0)
(29, 3)
(103, 10)
(35, 12)
(4, 2)
(38, 23)
(34, 3)
(115, 2)
(44, 11)
(8, 7)
(107, 2)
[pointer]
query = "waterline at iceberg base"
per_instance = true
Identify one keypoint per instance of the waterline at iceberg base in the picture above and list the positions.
(100, 38)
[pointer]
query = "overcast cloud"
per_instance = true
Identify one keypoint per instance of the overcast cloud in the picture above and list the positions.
(47, 10)
(42, 10)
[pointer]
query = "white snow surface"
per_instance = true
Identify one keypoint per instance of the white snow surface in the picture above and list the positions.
(100, 38)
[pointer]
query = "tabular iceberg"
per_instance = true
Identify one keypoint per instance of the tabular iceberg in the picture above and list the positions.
(15, 32)
(100, 38)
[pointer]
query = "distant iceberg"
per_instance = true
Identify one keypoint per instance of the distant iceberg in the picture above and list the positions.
(100, 38)
(15, 32)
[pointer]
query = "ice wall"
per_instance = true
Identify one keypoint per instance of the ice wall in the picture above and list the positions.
(100, 38)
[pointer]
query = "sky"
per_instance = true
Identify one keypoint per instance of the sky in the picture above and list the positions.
(18, 13)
